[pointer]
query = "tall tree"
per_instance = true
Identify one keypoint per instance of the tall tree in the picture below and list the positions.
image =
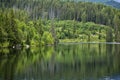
(117, 27)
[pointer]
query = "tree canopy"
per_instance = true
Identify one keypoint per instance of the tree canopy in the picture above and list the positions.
(46, 21)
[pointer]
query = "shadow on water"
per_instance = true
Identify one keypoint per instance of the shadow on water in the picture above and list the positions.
(63, 62)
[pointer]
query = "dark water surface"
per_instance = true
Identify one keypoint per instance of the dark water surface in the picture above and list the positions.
(62, 62)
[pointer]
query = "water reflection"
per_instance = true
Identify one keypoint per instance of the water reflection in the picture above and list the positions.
(62, 62)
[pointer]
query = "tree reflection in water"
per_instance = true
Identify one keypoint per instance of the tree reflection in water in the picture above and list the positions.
(62, 62)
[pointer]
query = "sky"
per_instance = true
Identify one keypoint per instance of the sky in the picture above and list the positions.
(117, 0)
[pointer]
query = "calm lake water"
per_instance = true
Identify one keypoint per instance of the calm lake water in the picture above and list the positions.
(62, 62)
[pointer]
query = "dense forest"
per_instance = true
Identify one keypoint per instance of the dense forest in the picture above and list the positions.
(43, 22)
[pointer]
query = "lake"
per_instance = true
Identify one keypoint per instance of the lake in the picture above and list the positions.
(68, 61)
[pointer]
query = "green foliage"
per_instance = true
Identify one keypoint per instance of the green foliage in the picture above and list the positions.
(62, 10)
(117, 27)
(47, 38)
(16, 31)
(51, 20)
(109, 36)
(79, 31)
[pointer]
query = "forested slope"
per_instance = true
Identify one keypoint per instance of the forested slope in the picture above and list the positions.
(114, 4)
(36, 22)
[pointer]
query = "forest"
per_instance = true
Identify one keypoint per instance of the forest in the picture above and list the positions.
(46, 22)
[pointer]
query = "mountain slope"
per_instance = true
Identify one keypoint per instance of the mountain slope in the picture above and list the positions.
(101, 1)
(114, 4)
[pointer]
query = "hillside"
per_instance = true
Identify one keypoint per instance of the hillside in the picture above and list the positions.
(114, 4)
(100, 1)
(45, 22)
(10, 3)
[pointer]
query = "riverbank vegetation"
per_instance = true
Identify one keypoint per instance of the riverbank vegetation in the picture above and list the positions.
(44, 22)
